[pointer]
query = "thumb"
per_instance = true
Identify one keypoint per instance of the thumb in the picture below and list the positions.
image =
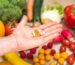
(23, 21)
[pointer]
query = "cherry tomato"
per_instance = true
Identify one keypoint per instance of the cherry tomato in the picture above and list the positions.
(74, 53)
(66, 43)
(62, 48)
(29, 56)
(44, 47)
(50, 45)
(64, 55)
(56, 56)
(41, 57)
(71, 59)
(33, 50)
(41, 51)
(22, 54)
(61, 61)
(47, 51)
(53, 51)
(42, 62)
(37, 64)
(35, 59)
(48, 57)
(72, 46)
(52, 63)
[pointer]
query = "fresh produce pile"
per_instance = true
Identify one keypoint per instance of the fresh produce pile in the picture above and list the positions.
(59, 51)
(49, 55)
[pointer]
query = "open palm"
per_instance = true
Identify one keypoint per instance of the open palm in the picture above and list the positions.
(25, 40)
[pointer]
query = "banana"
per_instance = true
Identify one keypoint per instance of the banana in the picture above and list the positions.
(15, 59)
(5, 63)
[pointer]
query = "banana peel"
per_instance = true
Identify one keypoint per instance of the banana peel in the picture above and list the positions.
(15, 59)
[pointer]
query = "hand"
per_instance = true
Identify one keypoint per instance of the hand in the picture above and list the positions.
(25, 40)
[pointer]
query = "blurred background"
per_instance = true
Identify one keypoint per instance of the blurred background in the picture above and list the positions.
(62, 2)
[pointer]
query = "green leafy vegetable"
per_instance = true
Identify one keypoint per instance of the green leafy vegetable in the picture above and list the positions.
(11, 9)
(57, 7)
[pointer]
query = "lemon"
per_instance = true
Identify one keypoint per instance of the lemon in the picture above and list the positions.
(2, 29)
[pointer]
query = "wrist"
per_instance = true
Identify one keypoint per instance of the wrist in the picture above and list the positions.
(14, 43)
(8, 44)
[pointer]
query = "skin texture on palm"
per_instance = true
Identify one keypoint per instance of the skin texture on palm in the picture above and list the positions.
(22, 39)
(24, 33)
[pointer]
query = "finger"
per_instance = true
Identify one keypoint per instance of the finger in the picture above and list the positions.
(50, 37)
(50, 32)
(43, 27)
(23, 21)
(58, 30)
(30, 5)
(58, 26)
(43, 40)
(47, 25)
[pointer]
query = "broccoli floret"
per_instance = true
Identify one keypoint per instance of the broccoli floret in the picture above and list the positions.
(22, 4)
(11, 9)
(14, 13)
(11, 14)
(14, 2)
(4, 3)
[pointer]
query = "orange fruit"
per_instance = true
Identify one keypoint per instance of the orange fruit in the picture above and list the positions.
(36, 60)
(56, 56)
(5, 63)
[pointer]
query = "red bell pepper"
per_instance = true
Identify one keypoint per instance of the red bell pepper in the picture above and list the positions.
(69, 15)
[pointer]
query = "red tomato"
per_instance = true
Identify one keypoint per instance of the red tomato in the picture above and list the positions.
(33, 50)
(44, 47)
(72, 46)
(66, 43)
(50, 45)
(62, 48)
(71, 59)
(53, 51)
(29, 56)
(22, 54)
(74, 53)
(9, 27)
